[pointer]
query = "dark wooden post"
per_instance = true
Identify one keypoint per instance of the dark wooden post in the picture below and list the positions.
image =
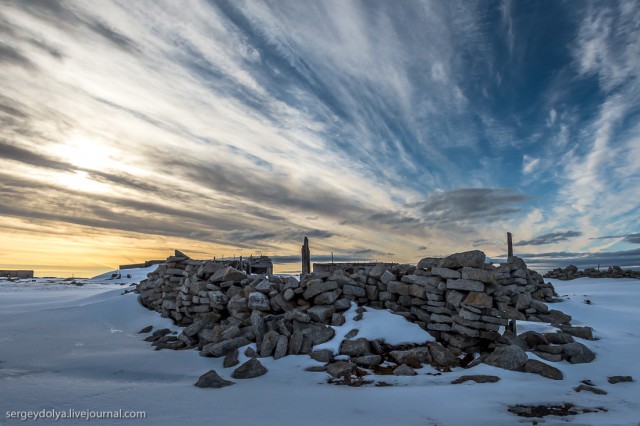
(512, 323)
(306, 257)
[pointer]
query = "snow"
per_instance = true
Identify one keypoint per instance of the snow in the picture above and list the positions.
(377, 324)
(65, 347)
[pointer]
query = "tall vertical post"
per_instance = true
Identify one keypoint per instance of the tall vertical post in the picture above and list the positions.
(306, 257)
(509, 245)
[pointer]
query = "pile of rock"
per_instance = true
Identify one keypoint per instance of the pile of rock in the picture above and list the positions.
(460, 300)
(572, 272)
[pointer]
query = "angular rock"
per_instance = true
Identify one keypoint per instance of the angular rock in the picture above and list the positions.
(428, 263)
(446, 273)
(269, 342)
(478, 300)
(474, 259)
(146, 329)
(591, 389)
(340, 368)
(548, 357)
(249, 370)
(404, 370)
(211, 379)
(258, 301)
(321, 313)
(478, 275)
(455, 297)
(328, 297)
(322, 355)
(355, 348)
(317, 333)
(227, 274)
(555, 317)
(316, 288)
(223, 348)
(558, 338)
(387, 277)
(281, 347)
(367, 360)
(478, 378)
(545, 370)
(231, 359)
(288, 294)
(442, 357)
(614, 380)
(577, 353)
(523, 301)
(414, 357)
(295, 343)
(534, 339)
(581, 332)
(342, 305)
(509, 357)
(398, 287)
(257, 326)
(466, 285)
(352, 290)
(217, 297)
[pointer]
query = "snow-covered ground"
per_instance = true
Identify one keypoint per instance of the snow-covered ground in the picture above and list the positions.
(66, 347)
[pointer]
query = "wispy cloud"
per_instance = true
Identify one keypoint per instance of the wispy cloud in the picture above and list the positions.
(551, 238)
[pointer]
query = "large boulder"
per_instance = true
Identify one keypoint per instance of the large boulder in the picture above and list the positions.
(577, 353)
(509, 357)
(474, 259)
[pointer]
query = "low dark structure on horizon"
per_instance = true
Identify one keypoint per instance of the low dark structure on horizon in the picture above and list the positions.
(16, 273)
(144, 264)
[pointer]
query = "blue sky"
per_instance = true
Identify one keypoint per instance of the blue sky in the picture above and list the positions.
(383, 130)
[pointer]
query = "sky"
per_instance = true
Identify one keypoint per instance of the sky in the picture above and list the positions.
(381, 130)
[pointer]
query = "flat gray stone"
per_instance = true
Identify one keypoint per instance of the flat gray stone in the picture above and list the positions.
(478, 378)
(446, 273)
(466, 285)
(545, 370)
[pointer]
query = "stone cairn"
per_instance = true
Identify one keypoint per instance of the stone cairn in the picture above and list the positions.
(460, 300)
(572, 272)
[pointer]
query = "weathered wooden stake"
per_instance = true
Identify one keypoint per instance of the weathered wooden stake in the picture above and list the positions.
(509, 245)
(306, 257)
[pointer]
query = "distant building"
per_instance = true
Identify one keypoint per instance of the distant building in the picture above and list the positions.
(145, 264)
(259, 265)
(16, 273)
